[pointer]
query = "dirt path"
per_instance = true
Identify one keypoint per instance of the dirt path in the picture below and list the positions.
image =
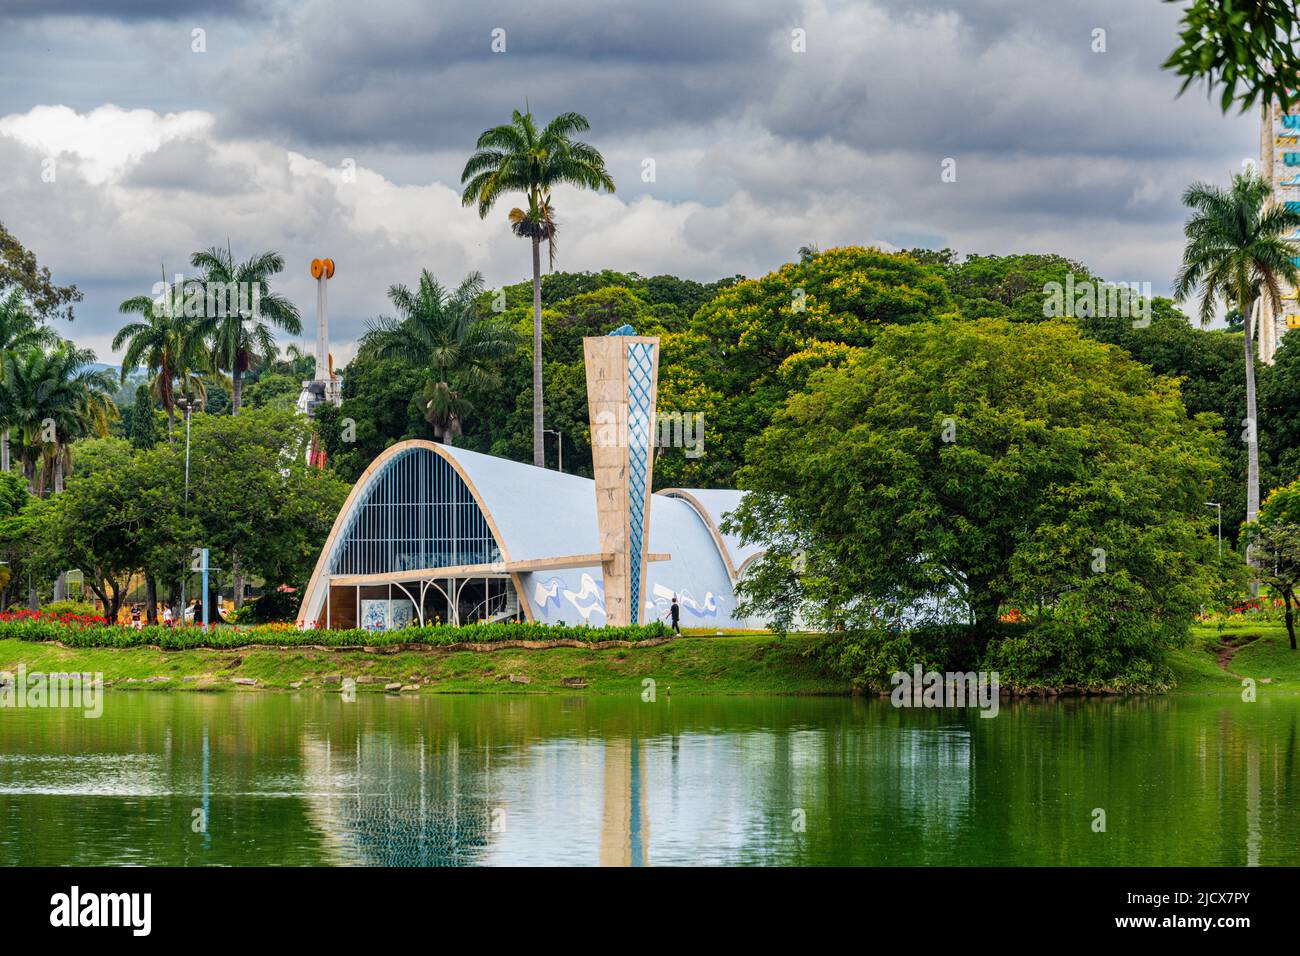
(1227, 650)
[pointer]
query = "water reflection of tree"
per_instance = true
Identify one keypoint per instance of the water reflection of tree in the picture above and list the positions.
(385, 802)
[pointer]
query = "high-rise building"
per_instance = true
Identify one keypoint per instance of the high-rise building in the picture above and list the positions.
(1279, 165)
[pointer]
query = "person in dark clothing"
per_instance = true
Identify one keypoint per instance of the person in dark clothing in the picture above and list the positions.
(676, 611)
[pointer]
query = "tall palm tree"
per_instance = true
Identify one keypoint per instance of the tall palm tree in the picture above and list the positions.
(19, 331)
(167, 343)
(1236, 254)
(49, 399)
(444, 332)
(517, 157)
(242, 336)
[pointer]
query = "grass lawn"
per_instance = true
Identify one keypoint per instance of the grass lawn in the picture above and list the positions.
(695, 664)
(1262, 652)
(732, 664)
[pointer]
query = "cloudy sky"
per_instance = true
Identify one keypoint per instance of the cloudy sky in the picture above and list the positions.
(173, 125)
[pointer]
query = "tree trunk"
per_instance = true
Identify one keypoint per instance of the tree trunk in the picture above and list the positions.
(236, 391)
(4, 450)
(1252, 433)
(171, 420)
(237, 578)
(1290, 618)
(539, 448)
(151, 599)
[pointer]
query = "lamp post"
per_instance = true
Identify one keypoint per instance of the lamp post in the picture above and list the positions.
(187, 405)
(1219, 508)
(559, 444)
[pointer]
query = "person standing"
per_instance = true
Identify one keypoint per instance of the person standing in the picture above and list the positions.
(167, 615)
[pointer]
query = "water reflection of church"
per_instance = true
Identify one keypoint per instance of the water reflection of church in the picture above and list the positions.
(382, 803)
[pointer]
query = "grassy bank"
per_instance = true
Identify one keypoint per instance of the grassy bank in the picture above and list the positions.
(1259, 652)
(692, 665)
(738, 664)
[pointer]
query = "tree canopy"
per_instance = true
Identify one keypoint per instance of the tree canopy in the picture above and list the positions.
(1011, 465)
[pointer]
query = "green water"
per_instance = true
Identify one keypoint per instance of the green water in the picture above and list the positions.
(254, 779)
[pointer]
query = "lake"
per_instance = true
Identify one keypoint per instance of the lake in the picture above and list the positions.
(425, 780)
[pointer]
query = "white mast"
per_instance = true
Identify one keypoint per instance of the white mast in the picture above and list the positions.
(325, 386)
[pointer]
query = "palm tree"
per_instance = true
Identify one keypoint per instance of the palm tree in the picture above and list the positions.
(168, 344)
(240, 338)
(516, 157)
(50, 399)
(1236, 254)
(19, 331)
(444, 332)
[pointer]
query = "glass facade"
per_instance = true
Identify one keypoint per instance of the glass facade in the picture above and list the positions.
(418, 513)
(640, 384)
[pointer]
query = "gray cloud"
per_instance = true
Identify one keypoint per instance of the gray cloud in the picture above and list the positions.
(126, 10)
(759, 149)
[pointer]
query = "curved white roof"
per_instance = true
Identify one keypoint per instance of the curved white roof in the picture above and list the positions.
(537, 514)
(716, 504)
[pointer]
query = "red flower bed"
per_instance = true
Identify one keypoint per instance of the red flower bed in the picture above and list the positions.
(73, 620)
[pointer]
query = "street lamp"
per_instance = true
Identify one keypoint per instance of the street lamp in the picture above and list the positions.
(1218, 507)
(559, 444)
(186, 405)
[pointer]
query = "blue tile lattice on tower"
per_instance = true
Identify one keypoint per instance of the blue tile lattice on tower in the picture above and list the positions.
(640, 385)
(416, 513)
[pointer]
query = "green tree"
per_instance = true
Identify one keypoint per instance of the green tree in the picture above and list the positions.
(242, 334)
(167, 343)
(119, 516)
(517, 157)
(381, 405)
(461, 351)
(49, 399)
(1012, 287)
(15, 536)
(1209, 366)
(1009, 465)
(260, 507)
(141, 422)
(1275, 540)
(1246, 43)
(1236, 255)
(275, 390)
(20, 270)
(19, 331)
(757, 342)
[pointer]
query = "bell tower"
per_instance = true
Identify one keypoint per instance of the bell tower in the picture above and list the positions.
(622, 387)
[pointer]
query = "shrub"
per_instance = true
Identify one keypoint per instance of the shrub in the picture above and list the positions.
(80, 631)
(60, 608)
(275, 605)
(1058, 652)
(868, 659)
(1052, 652)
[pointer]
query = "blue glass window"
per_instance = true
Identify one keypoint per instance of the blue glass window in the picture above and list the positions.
(418, 513)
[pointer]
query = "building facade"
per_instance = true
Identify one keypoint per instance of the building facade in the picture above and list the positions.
(432, 533)
(1279, 159)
